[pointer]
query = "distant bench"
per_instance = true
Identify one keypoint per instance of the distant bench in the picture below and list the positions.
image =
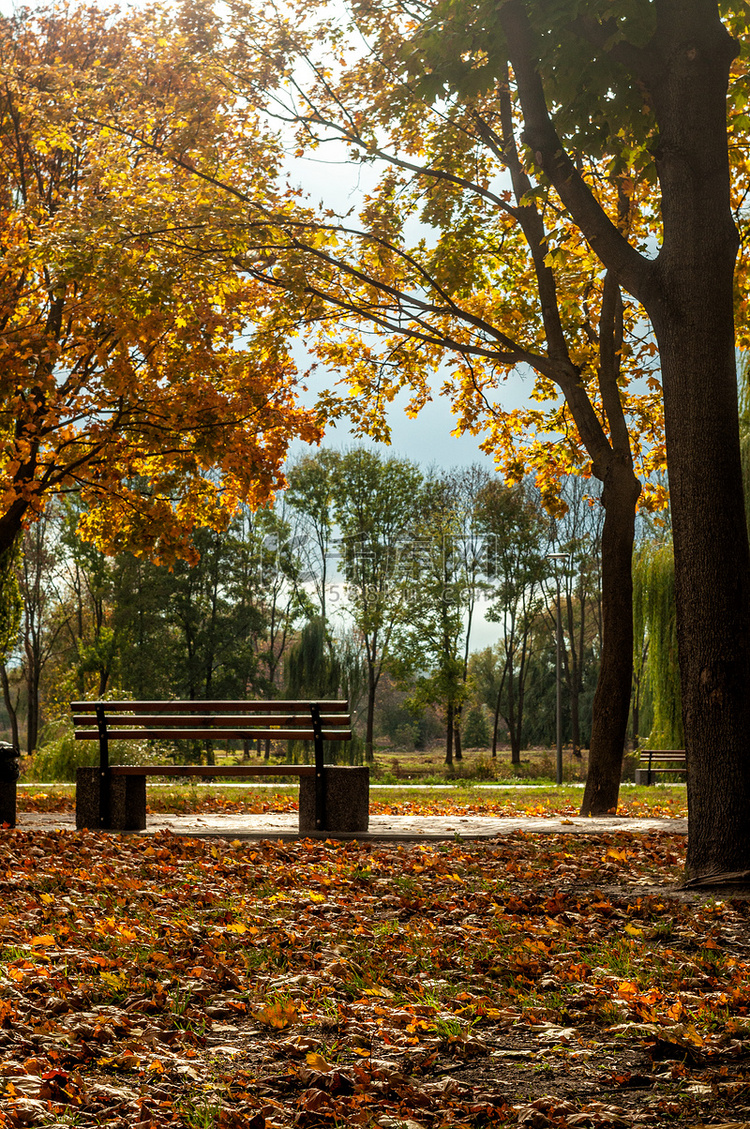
(660, 761)
(113, 796)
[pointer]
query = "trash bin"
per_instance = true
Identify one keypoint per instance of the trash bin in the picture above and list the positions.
(10, 770)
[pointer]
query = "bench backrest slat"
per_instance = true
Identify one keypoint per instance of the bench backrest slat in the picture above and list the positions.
(210, 720)
(196, 705)
(211, 770)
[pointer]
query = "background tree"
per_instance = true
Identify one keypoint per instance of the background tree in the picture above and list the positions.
(275, 587)
(214, 624)
(141, 593)
(43, 617)
(577, 534)
(514, 521)
(311, 482)
(476, 731)
(375, 509)
(470, 543)
(87, 580)
(440, 577)
(655, 603)
(487, 671)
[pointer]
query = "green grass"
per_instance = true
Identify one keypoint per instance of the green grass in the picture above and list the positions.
(658, 800)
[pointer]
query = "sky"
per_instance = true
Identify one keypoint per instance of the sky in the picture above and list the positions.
(426, 439)
(330, 177)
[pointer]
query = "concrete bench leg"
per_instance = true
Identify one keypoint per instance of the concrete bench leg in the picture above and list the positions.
(643, 776)
(8, 802)
(9, 772)
(127, 801)
(347, 800)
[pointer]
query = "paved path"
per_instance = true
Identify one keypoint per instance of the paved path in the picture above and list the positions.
(272, 825)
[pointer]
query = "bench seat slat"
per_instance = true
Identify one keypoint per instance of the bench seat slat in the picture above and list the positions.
(209, 734)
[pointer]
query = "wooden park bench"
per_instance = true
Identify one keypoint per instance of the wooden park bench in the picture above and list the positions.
(660, 761)
(113, 796)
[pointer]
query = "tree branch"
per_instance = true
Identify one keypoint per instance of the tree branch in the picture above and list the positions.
(631, 269)
(610, 349)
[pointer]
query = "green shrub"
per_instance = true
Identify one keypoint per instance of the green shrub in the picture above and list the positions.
(476, 730)
(59, 754)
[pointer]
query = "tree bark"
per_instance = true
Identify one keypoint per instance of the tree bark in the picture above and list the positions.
(10, 706)
(693, 320)
(612, 697)
(449, 734)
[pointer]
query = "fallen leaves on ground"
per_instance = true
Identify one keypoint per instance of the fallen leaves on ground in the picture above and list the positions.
(533, 981)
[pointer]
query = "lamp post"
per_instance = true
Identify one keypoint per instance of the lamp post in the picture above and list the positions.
(558, 668)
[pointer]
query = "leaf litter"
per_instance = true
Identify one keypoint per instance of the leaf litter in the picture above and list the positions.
(533, 981)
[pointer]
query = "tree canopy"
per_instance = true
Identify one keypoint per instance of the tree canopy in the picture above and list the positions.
(138, 365)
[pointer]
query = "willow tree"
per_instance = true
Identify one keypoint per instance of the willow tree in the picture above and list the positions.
(654, 603)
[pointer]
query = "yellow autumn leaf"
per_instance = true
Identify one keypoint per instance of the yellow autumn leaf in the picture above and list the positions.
(43, 941)
(633, 931)
(280, 1014)
(317, 1061)
(114, 979)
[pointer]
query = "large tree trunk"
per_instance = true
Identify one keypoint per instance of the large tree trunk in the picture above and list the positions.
(449, 734)
(10, 706)
(692, 313)
(612, 697)
(370, 724)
